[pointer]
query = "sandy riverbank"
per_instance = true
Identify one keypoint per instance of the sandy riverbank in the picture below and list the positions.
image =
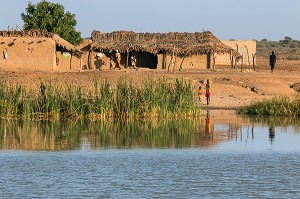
(230, 88)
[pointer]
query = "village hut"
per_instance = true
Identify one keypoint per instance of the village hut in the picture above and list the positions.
(173, 50)
(37, 50)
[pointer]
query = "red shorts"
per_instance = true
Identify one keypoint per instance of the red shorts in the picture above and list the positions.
(207, 94)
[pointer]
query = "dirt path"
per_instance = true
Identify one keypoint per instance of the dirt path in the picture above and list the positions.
(230, 88)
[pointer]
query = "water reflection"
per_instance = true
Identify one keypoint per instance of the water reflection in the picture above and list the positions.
(282, 124)
(207, 131)
(271, 134)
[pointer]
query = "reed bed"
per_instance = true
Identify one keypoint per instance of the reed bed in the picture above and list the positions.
(278, 106)
(103, 100)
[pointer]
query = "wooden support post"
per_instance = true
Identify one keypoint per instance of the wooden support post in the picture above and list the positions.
(71, 60)
(180, 67)
(127, 57)
(248, 56)
(231, 60)
(242, 61)
(253, 61)
(237, 50)
(175, 62)
(90, 59)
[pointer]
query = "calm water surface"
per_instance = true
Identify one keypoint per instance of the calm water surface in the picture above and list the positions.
(217, 156)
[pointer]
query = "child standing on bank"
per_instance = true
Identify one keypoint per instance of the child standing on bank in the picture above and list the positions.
(207, 92)
(199, 93)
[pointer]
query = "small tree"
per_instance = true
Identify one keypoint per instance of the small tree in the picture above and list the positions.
(287, 39)
(53, 18)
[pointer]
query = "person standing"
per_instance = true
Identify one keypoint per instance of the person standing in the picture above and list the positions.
(199, 93)
(118, 59)
(5, 55)
(272, 61)
(207, 91)
(133, 61)
(111, 63)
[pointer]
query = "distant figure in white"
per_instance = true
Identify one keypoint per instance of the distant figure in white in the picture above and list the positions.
(133, 61)
(5, 54)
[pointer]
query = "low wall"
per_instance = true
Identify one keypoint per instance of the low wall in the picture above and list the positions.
(191, 62)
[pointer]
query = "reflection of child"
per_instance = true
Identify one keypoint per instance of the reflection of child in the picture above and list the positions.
(207, 93)
(207, 122)
(199, 93)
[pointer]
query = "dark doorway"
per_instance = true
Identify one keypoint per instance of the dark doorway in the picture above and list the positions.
(146, 60)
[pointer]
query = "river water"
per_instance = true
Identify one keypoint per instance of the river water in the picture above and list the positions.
(218, 155)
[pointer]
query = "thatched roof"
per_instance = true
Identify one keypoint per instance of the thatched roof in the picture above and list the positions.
(43, 34)
(185, 44)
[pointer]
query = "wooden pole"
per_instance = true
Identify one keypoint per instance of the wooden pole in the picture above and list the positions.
(248, 56)
(175, 62)
(237, 50)
(242, 62)
(90, 59)
(71, 61)
(253, 60)
(180, 68)
(231, 60)
(127, 56)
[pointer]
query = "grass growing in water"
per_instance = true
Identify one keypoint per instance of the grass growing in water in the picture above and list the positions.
(278, 106)
(151, 99)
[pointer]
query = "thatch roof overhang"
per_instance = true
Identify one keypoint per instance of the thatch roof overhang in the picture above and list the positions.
(43, 34)
(185, 44)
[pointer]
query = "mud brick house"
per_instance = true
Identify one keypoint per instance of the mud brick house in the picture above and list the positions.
(37, 50)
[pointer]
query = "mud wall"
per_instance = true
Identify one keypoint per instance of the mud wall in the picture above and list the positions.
(246, 48)
(26, 53)
(67, 61)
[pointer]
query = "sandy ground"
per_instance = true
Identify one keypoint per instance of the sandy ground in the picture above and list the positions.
(230, 88)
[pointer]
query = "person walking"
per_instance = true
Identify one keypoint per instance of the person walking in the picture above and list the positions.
(207, 91)
(272, 61)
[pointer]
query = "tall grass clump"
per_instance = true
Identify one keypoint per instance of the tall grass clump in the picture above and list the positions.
(151, 98)
(278, 106)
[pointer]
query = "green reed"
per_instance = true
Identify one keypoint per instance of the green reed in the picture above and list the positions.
(102, 100)
(278, 106)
